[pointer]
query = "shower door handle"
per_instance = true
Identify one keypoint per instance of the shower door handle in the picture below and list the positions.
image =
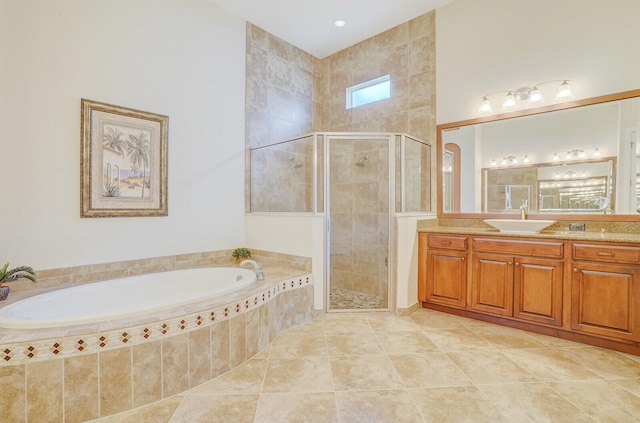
(386, 262)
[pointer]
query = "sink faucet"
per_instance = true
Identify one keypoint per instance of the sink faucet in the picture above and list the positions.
(258, 267)
(524, 210)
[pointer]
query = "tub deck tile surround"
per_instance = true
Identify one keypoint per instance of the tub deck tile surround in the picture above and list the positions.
(149, 358)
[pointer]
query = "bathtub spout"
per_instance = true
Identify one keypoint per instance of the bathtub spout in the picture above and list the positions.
(258, 267)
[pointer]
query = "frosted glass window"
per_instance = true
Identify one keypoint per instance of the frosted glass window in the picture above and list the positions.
(369, 92)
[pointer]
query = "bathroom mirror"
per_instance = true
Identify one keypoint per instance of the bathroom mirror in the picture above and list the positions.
(580, 157)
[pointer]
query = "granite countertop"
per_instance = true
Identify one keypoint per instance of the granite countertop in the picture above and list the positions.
(601, 231)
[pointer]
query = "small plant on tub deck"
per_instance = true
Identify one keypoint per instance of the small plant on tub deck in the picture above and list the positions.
(10, 275)
(241, 254)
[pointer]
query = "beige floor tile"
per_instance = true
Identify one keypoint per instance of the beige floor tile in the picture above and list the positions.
(405, 342)
(314, 326)
(361, 343)
(429, 319)
(486, 367)
(504, 337)
(632, 356)
(631, 385)
(609, 364)
(468, 322)
(316, 407)
(158, 412)
(339, 322)
(389, 322)
(364, 372)
(549, 364)
(300, 374)
(464, 404)
(263, 353)
(428, 370)
(299, 344)
(552, 341)
(604, 400)
(533, 402)
(216, 408)
(246, 378)
(385, 406)
(457, 340)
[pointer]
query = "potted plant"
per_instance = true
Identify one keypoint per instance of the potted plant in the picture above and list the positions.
(10, 275)
(241, 254)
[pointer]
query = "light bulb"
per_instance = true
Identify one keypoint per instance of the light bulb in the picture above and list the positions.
(485, 105)
(555, 157)
(535, 96)
(564, 91)
(503, 162)
(509, 101)
(493, 162)
(526, 159)
(596, 153)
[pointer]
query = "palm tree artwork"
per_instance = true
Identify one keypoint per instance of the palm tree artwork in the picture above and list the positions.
(138, 149)
(125, 162)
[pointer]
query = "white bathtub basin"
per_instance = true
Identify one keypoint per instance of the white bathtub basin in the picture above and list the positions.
(515, 226)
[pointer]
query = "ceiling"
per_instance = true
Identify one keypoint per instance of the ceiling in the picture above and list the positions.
(309, 24)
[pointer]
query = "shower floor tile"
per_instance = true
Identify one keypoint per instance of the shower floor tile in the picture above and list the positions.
(344, 299)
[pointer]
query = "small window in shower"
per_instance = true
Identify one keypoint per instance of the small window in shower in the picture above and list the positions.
(369, 91)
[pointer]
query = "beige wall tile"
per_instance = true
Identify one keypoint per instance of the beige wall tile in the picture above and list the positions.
(116, 391)
(252, 325)
(220, 352)
(237, 340)
(44, 391)
(81, 388)
(13, 399)
(175, 364)
(147, 373)
(199, 356)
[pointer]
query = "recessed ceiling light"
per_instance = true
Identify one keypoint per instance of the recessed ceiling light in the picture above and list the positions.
(339, 23)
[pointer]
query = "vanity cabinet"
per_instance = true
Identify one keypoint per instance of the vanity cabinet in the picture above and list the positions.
(605, 296)
(523, 281)
(583, 291)
(445, 270)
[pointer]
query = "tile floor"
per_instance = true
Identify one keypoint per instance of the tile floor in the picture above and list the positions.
(344, 299)
(429, 367)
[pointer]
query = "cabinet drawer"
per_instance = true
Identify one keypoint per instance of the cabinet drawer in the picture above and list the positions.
(553, 249)
(611, 253)
(448, 242)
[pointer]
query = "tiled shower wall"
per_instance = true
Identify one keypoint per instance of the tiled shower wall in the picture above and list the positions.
(407, 53)
(290, 93)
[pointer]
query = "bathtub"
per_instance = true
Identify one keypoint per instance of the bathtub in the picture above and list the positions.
(123, 298)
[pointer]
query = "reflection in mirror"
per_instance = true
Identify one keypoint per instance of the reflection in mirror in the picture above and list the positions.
(567, 160)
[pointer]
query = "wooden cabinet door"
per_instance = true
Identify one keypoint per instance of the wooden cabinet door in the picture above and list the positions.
(605, 300)
(492, 284)
(447, 278)
(537, 290)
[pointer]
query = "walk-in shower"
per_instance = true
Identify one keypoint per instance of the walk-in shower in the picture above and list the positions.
(359, 182)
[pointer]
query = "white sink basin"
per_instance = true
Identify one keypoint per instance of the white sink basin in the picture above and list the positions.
(514, 226)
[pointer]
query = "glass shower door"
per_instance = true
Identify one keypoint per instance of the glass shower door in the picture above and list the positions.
(358, 223)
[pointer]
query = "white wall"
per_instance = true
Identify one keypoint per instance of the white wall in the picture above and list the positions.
(299, 235)
(184, 59)
(489, 45)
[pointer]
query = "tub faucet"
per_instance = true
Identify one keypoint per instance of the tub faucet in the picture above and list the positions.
(258, 267)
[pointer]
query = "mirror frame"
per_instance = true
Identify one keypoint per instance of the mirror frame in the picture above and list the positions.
(440, 129)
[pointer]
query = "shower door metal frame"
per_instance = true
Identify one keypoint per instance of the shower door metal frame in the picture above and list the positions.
(391, 209)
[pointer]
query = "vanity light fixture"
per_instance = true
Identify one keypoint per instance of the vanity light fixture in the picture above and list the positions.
(533, 96)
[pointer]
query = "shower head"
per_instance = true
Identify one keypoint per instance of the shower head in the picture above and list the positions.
(296, 164)
(360, 163)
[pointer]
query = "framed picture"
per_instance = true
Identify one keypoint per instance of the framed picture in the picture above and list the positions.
(124, 161)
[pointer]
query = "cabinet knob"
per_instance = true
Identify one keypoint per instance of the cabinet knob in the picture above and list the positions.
(462, 258)
(517, 264)
(575, 270)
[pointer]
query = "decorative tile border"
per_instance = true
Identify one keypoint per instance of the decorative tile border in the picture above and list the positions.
(82, 344)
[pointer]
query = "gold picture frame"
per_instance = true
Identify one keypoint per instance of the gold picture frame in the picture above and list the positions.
(123, 161)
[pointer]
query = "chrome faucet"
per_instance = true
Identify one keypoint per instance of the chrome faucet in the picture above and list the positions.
(524, 210)
(258, 267)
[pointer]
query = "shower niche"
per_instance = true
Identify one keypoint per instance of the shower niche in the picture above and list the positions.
(359, 182)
